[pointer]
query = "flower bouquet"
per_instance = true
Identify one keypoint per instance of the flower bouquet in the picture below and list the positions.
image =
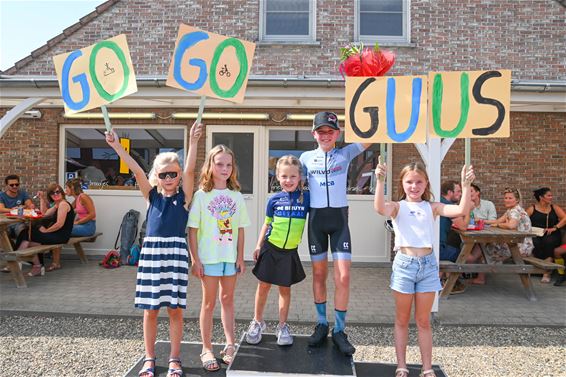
(358, 60)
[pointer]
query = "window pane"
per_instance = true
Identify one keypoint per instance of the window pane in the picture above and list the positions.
(242, 144)
(89, 157)
(282, 143)
(286, 5)
(288, 23)
(381, 5)
(389, 24)
(361, 179)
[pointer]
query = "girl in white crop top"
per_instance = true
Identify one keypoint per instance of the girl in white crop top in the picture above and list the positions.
(415, 271)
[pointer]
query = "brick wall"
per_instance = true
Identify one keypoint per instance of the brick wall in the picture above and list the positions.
(526, 36)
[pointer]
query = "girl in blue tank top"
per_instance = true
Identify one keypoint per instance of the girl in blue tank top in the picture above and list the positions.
(163, 268)
(415, 276)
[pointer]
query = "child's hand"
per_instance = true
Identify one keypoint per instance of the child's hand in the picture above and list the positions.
(196, 132)
(380, 170)
(256, 254)
(240, 266)
(112, 138)
(197, 269)
(468, 176)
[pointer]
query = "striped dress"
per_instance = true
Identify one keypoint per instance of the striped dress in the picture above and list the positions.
(163, 268)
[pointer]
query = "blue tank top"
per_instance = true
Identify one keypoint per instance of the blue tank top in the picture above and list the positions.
(166, 216)
(327, 174)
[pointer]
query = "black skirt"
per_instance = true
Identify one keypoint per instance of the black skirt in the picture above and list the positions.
(278, 266)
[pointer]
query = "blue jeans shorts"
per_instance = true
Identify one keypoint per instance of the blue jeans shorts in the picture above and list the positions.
(220, 269)
(415, 274)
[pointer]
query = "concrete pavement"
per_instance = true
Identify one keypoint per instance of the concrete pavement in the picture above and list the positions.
(92, 290)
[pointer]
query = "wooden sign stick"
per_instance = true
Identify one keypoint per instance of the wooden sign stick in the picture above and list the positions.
(200, 109)
(106, 118)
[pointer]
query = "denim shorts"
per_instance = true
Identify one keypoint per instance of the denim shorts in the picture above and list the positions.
(220, 269)
(415, 274)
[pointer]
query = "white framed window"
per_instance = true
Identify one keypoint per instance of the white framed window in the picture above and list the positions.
(287, 20)
(86, 155)
(384, 21)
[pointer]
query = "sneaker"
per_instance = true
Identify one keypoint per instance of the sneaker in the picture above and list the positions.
(253, 335)
(458, 288)
(284, 337)
(340, 340)
(319, 335)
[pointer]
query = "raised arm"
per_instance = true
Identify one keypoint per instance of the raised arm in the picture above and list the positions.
(141, 179)
(191, 161)
(384, 208)
(460, 209)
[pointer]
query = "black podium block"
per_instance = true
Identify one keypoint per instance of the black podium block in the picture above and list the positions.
(269, 359)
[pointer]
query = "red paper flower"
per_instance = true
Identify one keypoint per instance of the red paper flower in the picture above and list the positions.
(358, 60)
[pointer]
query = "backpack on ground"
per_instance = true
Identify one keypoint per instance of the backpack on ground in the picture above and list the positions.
(111, 260)
(127, 234)
(134, 256)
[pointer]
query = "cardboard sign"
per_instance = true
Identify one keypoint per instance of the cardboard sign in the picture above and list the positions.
(469, 104)
(95, 75)
(210, 64)
(386, 109)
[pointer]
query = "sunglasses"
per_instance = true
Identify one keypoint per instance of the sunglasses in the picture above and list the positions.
(14, 185)
(170, 174)
(56, 192)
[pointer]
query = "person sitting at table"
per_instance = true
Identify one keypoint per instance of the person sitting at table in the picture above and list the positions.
(58, 233)
(551, 218)
(11, 198)
(514, 218)
(85, 221)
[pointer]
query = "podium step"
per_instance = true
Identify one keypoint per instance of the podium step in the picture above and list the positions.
(269, 359)
(299, 360)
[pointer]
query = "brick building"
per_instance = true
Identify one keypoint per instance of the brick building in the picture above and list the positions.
(294, 74)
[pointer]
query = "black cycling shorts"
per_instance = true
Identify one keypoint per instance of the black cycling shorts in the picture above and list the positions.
(325, 223)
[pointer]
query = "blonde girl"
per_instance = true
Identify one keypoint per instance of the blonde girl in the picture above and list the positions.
(216, 238)
(276, 256)
(163, 268)
(415, 269)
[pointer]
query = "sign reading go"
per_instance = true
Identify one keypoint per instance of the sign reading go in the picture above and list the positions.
(468, 104)
(95, 75)
(210, 64)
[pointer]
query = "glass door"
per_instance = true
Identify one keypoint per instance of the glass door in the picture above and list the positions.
(244, 142)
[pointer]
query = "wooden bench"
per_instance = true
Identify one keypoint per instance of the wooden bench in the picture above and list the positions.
(13, 259)
(542, 264)
(76, 242)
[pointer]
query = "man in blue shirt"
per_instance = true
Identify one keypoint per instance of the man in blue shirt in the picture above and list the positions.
(13, 197)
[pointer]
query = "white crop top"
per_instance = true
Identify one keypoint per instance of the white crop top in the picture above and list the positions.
(413, 225)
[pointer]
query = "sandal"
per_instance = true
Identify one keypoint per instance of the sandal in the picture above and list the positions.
(210, 365)
(401, 372)
(53, 267)
(227, 358)
(37, 270)
(148, 371)
(174, 372)
(427, 373)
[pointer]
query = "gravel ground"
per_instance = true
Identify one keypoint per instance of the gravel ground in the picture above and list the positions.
(79, 346)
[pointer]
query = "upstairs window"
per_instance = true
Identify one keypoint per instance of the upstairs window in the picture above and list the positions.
(287, 20)
(382, 21)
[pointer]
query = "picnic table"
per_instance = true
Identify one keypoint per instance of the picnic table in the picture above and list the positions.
(13, 257)
(493, 234)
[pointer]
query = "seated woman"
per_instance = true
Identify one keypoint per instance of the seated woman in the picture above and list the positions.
(53, 204)
(514, 218)
(85, 222)
(551, 218)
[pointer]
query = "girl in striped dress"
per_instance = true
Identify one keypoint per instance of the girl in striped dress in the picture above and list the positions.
(163, 268)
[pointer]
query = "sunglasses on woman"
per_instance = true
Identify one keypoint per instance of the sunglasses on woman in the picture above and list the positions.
(56, 192)
(170, 174)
